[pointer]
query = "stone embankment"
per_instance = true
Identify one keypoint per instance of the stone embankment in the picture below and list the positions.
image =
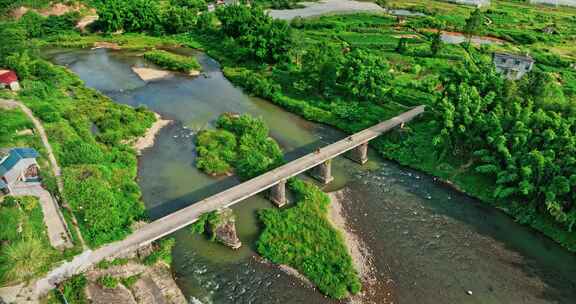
(138, 283)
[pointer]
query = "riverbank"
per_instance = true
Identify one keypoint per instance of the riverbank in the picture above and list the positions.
(372, 291)
(149, 138)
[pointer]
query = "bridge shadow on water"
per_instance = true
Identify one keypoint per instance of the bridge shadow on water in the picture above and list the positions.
(192, 197)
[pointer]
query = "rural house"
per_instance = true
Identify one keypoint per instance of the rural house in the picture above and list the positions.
(9, 79)
(17, 165)
(512, 66)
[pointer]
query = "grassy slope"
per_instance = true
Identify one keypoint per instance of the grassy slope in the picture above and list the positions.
(99, 166)
(24, 253)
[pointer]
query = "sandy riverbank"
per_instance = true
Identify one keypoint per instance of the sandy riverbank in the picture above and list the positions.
(149, 138)
(361, 256)
(148, 74)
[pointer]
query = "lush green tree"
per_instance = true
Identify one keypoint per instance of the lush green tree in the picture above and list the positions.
(57, 24)
(437, 43)
(262, 38)
(474, 23)
(216, 151)
(321, 66)
(527, 148)
(13, 39)
(179, 19)
(545, 90)
(198, 5)
(239, 20)
(32, 22)
(402, 46)
(20, 62)
(128, 15)
(365, 76)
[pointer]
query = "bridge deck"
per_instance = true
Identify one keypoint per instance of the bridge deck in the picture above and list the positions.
(186, 216)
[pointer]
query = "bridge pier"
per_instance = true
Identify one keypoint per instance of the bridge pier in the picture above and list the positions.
(278, 194)
(359, 154)
(323, 172)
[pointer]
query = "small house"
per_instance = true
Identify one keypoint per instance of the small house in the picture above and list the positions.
(9, 79)
(17, 165)
(512, 66)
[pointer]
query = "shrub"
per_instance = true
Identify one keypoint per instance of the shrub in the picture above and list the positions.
(162, 252)
(216, 150)
(73, 289)
(172, 62)
(108, 281)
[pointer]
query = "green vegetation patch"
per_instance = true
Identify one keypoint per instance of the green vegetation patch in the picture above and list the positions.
(12, 121)
(108, 281)
(242, 143)
(73, 290)
(204, 223)
(303, 238)
(25, 250)
(172, 61)
(162, 252)
(216, 151)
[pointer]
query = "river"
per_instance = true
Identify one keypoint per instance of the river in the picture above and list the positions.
(430, 244)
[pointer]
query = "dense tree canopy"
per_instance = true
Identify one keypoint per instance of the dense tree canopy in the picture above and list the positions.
(529, 150)
(261, 37)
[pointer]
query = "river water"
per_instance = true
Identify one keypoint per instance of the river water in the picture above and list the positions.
(430, 244)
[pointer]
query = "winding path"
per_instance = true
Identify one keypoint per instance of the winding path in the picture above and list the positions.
(53, 218)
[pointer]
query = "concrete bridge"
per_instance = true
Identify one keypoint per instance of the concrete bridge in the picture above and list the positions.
(275, 180)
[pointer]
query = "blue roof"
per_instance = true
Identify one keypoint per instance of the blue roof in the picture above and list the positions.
(15, 156)
(3, 185)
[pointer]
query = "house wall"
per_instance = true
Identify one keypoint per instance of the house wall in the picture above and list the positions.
(15, 86)
(511, 67)
(18, 170)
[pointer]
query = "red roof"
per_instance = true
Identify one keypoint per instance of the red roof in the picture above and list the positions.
(8, 77)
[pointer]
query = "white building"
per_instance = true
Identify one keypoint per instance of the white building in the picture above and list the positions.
(512, 66)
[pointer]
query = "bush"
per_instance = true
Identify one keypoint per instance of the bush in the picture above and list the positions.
(73, 289)
(130, 281)
(162, 252)
(108, 281)
(25, 250)
(172, 62)
(216, 150)
(256, 152)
